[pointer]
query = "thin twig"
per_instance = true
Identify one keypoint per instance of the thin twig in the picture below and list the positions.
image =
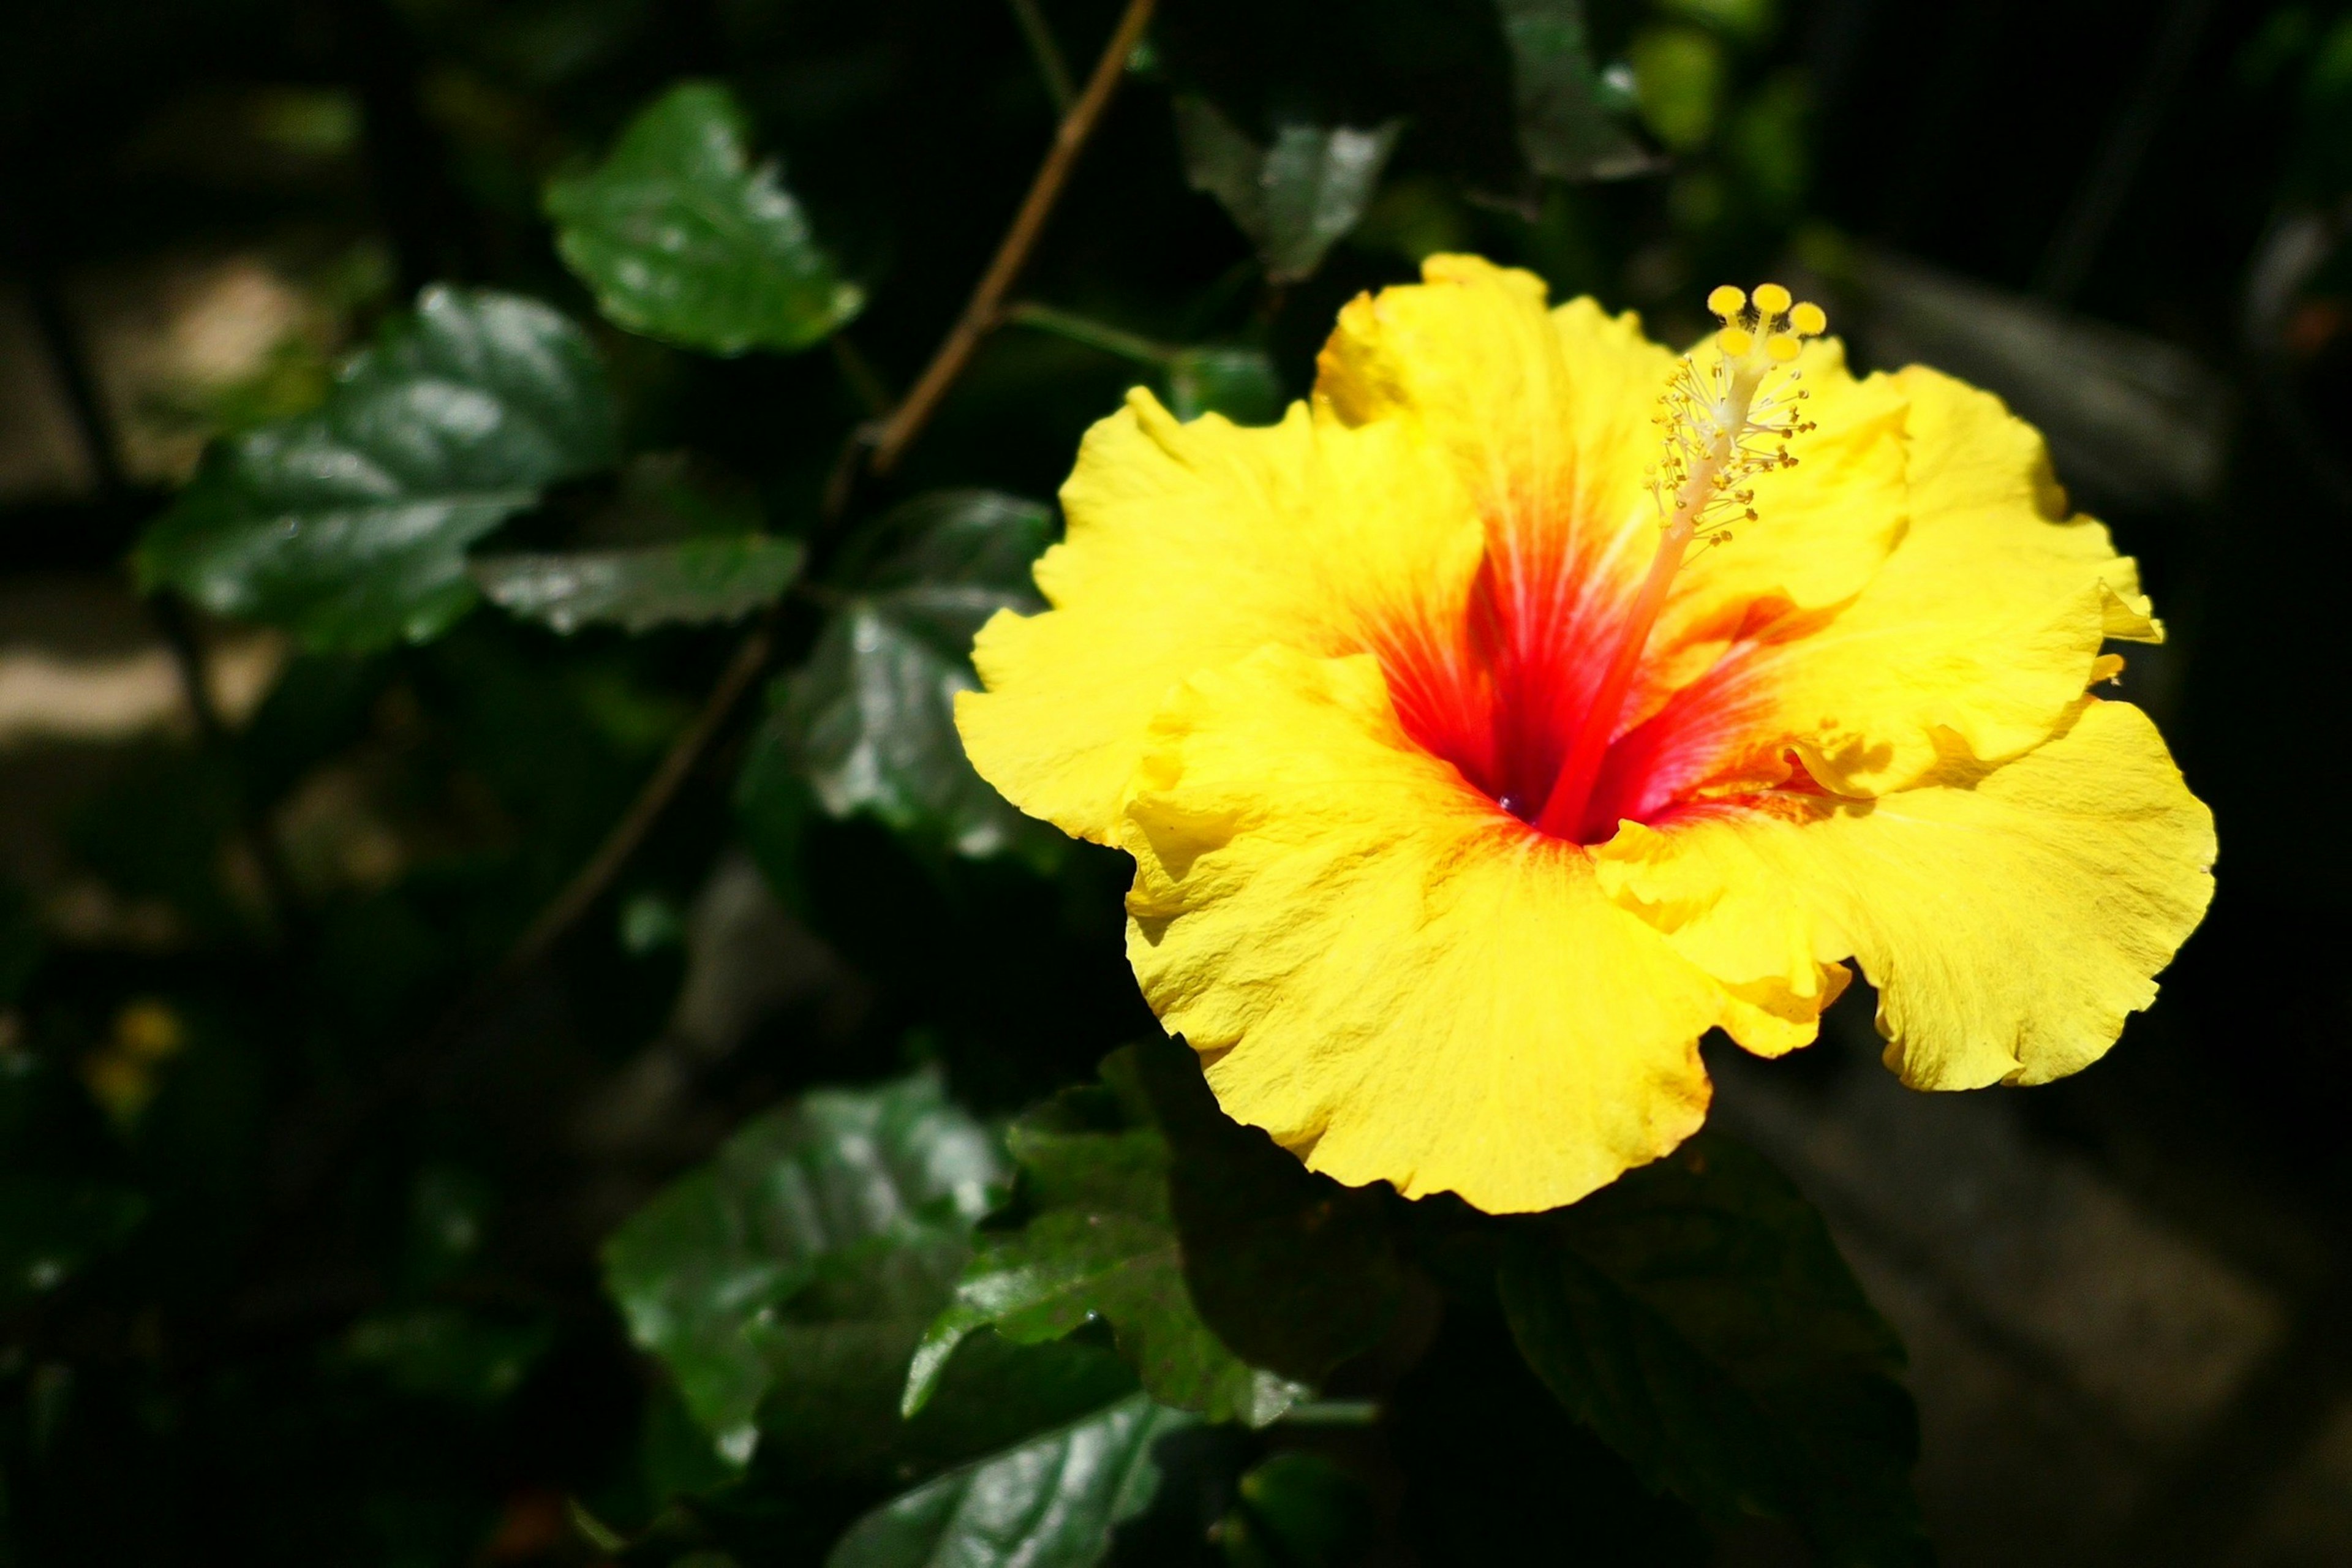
(588, 884)
(979, 314)
(883, 445)
(1047, 54)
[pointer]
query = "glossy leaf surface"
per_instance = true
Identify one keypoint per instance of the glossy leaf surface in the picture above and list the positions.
(683, 237)
(693, 580)
(1051, 1502)
(349, 525)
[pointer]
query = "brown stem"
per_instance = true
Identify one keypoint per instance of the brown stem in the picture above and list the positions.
(979, 314)
(588, 884)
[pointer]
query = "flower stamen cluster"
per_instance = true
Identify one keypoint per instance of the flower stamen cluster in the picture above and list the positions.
(1727, 417)
(1727, 420)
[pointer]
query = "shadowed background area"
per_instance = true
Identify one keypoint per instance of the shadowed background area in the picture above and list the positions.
(324, 1074)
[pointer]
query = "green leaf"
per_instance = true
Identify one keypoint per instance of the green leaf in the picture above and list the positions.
(1294, 199)
(838, 1356)
(50, 1226)
(1050, 1503)
(1239, 382)
(698, 580)
(681, 237)
(1293, 1271)
(1298, 1510)
(869, 720)
(1569, 127)
(1101, 1242)
(349, 525)
(439, 1352)
(694, 1268)
(1698, 1316)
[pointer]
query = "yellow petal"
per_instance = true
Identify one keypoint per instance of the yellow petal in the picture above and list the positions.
(1984, 624)
(1388, 974)
(1188, 546)
(2011, 917)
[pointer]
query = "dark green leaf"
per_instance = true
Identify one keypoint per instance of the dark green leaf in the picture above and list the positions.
(50, 1226)
(1049, 1503)
(696, 581)
(1239, 382)
(869, 722)
(725, 1247)
(1294, 199)
(838, 1355)
(437, 1352)
(1101, 1242)
(1293, 1271)
(349, 525)
(1569, 127)
(683, 239)
(1299, 1511)
(1698, 1316)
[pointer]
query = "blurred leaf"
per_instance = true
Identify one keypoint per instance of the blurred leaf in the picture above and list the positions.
(439, 1352)
(1749, 21)
(1100, 1241)
(682, 238)
(1698, 1316)
(698, 581)
(1293, 1271)
(2132, 421)
(869, 720)
(1049, 1503)
(1569, 127)
(1298, 1510)
(694, 1268)
(1679, 79)
(52, 1225)
(1294, 199)
(1239, 382)
(349, 525)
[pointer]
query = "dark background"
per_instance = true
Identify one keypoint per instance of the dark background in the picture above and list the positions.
(2126, 1294)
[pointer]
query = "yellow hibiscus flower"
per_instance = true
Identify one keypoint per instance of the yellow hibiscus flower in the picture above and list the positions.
(1532, 701)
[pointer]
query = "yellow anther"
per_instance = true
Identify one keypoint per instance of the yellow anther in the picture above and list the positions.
(1727, 302)
(1781, 347)
(1772, 300)
(1736, 340)
(1808, 319)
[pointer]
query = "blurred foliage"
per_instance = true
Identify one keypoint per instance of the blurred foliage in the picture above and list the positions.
(399, 1164)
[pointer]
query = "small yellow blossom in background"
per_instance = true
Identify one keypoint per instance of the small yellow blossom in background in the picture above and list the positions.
(1532, 701)
(121, 1074)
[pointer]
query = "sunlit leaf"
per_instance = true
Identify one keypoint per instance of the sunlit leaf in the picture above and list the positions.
(1296, 198)
(349, 525)
(1100, 1241)
(1049, 1503)
(869, 720)
(683, 237)
(726, 1245)
(697, 580)
(1698, 1316)
(1570, 128)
